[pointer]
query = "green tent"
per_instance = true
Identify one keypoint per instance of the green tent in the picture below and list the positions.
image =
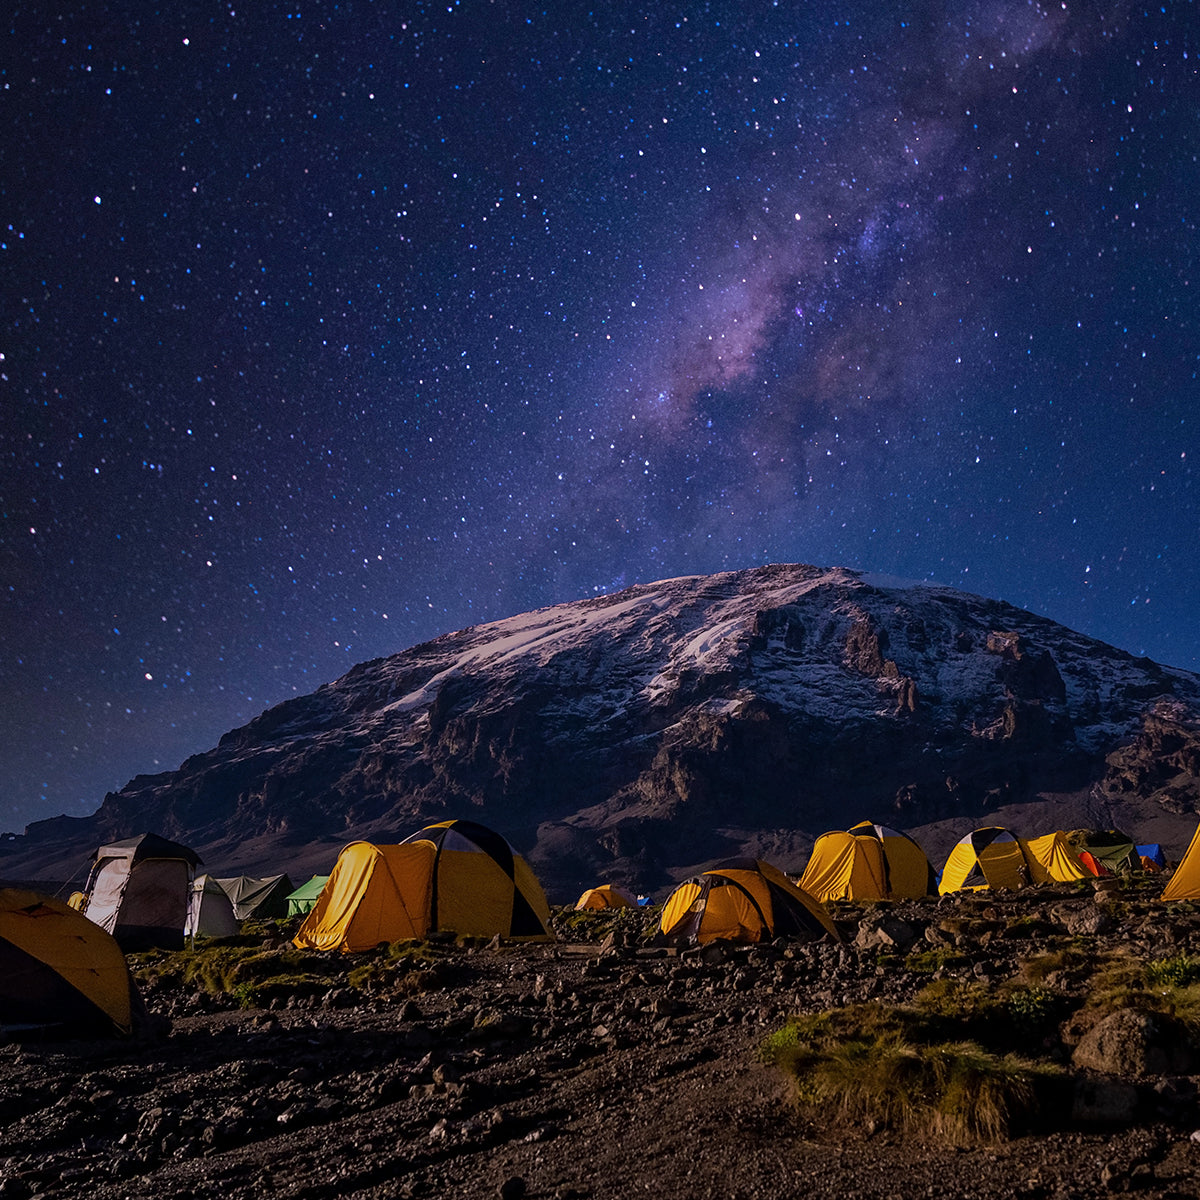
(1109, 847)
(300, 902)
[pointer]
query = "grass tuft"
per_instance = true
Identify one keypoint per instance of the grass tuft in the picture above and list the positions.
(871, 1064)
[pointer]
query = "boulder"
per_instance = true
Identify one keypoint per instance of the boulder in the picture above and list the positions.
(1088, 919)
(1132, 1044)
(884, 933)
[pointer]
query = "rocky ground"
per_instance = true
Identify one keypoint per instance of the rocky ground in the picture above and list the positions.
(598, 1067)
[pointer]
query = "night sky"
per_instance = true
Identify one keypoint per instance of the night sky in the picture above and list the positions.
(328, 329)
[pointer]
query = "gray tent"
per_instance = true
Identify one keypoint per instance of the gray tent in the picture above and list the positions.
(138, 890)
(261, 898)
(210, 912)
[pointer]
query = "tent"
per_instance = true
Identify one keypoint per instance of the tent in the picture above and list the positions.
(301, 901)
(868, 862)
(138, 891)
(1185, 883)
(456, 875)
(258, 897)
(1153, 853)
(607, 895)
(1111, 848)
(987, 858)
(210, 911)
(1053, 859)
(1093, 865)
(58, 968)
(742, 900)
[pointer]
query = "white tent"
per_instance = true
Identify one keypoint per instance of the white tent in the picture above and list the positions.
(210, 911)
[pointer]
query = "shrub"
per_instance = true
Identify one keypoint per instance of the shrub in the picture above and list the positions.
(1178, 971)
(938, 959)
(1034, 1012)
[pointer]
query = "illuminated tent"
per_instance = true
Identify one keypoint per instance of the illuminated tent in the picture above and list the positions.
(607, 895)
(987, 858)
(1185, 883)
(868, 862)
(1053, 859)
(59, 968)
(138, 890)
(456, 876)
(742, 900)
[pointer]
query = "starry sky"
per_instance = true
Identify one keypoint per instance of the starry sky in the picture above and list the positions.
(330, 328)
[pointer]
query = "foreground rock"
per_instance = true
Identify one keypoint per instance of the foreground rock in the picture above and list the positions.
(592, 1069)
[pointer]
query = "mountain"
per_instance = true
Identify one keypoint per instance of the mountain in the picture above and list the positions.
(638, 735)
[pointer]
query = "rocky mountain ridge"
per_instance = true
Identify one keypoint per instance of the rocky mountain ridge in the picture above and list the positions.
(639, 734)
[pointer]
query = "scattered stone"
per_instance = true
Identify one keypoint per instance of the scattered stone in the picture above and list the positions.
(1087, 920)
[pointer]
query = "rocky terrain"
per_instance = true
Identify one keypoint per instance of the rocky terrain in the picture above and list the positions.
(641, 735)
(604, 1066)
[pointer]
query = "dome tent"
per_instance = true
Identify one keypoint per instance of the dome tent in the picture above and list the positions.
(607, 895)
(59, 968)
(986, 858)
(996, 858)
(1053, 859)
(1184, 884)
(456, 875)
(868, 862)
(741, 900)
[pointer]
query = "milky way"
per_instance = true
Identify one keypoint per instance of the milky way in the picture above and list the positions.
(330, 330)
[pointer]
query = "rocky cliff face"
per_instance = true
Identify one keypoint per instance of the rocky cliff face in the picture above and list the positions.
(638, 734)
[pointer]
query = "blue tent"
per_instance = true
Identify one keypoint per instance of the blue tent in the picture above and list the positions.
(1154, 852)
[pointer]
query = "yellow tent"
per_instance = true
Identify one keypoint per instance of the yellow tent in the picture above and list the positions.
(456, 875)
(867, 862)
(57, 967)
(987, 858)
(607, 895)
(1185, 883)
(1052, 859)
(742, 900)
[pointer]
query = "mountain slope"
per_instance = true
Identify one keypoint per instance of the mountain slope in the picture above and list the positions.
(647, 731)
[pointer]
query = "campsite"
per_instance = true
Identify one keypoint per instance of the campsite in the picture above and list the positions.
(607, 1058)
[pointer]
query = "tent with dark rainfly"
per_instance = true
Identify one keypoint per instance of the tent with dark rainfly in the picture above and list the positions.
(742, 900)
(59, 969)
(454, 876)
(210, 911)
(996, 858)
(986, 858)
(138, 890)
(258, 897)
(301, 901)
(868, 862)
(607, 895)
